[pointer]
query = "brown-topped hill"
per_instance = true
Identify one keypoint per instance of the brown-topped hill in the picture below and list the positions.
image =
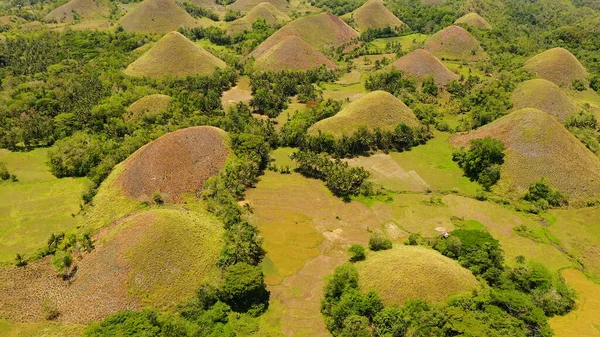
(157, 17)
(374, 15)
(557, 65)
(473, 20)
(176, 163)
(148, 106)
(455, 43)
(321, 31)
(83, 9)
(264, 10)
(174, 55)
(538, 146)
(246, 5)
(421, 63)
(292, 53)
(546, 96)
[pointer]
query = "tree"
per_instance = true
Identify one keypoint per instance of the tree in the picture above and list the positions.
(357, 253)
(543, 194)
(244, 288)
(481, 161)
(356, 326)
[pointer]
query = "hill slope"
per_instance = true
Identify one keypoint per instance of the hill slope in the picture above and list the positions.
(455, 43)
(375, 109)
(176, 163)
(148, 105)
(538, 146)
(83, 9)
(546, 96)
(413, 272)
(292, 53)
(473, 20)
(421, 63)
(374, 15)
(264, 10)
(321, 31)
(174, 55)
(156, 17)
(557, 65)
(247, 5)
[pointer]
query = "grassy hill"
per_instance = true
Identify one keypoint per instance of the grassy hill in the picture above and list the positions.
(148, 105)
(376, 109)
(546, 96)
(176, 163)
(374, 15)
(421, 63)
(473, 20)
(174, 55)
(82, 8)
(321, 31)
(557, 65)
(538, 146)
(455, 43)
(247, 5)
(413, 272)
(264, 10)
(292, 53)
(156, 17)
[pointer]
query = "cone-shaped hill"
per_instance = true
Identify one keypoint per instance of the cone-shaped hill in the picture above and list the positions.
(473, 20)
(455, 43)
(374, 15)
(148, 106)
(546, 96)
(176, 163)
(264, 10)
(321, 31)
(247, 5)
(83, 9)
(157, 17)
(292, 53)
(537, 146)
(557, 65)
(375, 109)
(174, 55)
(421, 63)
(411, 272)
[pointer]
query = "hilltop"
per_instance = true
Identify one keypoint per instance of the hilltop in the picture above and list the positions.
(264, 10)
(474, 20)
(413, 272)
(156, 17)
(421, 63)
(374, 15)
(174, 164)
(375, 109)
(81, 8)
(557, 65)
(292, 53)
(455, 43)
(246, 5)
(545, 96)
(321, 31)
(148, 106)
(538, 146)
(174, 55)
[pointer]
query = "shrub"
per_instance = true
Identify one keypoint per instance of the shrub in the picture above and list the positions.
(50, 310)
(357, 253)
(20, 261)
(379, 242)
(481, 161)
(542, 194)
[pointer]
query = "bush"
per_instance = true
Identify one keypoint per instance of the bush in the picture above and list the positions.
(481, 162)
(379, 242)
(542, 194)
(357, 253)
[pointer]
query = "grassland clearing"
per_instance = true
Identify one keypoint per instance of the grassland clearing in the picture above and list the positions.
(241, 92)
(35, 206)
(387, 172)
(557, 65)
(409, 42)
(40, 329)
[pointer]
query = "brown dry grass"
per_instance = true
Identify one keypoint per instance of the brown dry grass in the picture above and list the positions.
(546, 96)
(421, 63)
(374, 15)
(292, 53)
(321, 31)
(474, 20)
(174, 55)
(176, 163)
(538, 146)
(157, 17)
(557, 65)
(375, 109)
(83, 8)
(413, 272)
(240, 93)
(148, 106)
(455, 43)
(264, 10)
(247, 5)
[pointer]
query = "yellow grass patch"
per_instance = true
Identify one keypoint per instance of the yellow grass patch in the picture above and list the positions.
(157, 17)
(292, 53)
(474, 20)
(83, 9)
(546, 96)
(421, 63)
(148, 106)
(374, 15)
(455, 43)
(557, 65)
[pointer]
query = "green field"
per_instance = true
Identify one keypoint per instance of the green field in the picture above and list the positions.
(407, 41)
(35, 206)
(40, 329)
